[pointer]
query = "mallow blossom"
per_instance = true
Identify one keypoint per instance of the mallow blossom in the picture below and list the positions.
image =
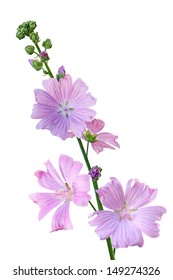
(70, 187)
(63, 107)
(99, 140)
(127, 218)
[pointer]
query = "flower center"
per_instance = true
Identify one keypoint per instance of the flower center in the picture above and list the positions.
(64, 109)
(65, 194)
(125, 213)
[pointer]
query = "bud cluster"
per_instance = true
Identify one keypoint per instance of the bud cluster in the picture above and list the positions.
(28, 29)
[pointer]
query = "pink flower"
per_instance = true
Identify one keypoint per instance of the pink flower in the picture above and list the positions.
(73, 187)
(127, 220)
(63, 106)
(102, 140)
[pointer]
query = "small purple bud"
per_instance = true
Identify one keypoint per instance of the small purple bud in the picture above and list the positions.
(61, 70)
(44, 54)
(95, 172)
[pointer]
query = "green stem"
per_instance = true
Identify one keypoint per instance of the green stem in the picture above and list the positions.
(100, 206)
(92, 206)
(87, 148)
(45, 63)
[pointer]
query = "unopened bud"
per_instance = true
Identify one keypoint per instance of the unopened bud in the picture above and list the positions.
(30, 49)
(44, 56)
(95, 173)
(36, 64)
(47, 44)
(34, 37)
(61, 73)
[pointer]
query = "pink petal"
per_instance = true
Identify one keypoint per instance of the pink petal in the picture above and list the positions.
(61, 219)
(98, 146)
(138, 194)
(46, 201)
(108, 138)
(145, 219)
(82, 183)
(50, 179)
(105, 222)
(126, 234)
(81, 198)
(112, 195)
(69, 168)
(95, 126)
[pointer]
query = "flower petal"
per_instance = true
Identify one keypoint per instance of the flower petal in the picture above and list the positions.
(145, 219)
(69, 168)
(61, 219)
(50, 179)
(95, 126)
(112, 195)
(108, 138)
(105, 222)
(126, 234)
(81, 198)
(138, 194)
(46, 201)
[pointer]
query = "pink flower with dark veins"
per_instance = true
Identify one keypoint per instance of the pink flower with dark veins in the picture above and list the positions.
(127, 218)
(72, 187)
(99, 140)
(63, 106)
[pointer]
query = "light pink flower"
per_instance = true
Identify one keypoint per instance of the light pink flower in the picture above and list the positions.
(63, 106)
(102, 140)
(127, 220)
(71, 187)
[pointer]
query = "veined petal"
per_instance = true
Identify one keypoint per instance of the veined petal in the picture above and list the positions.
(81, 198)
(61, 219)
(112, 195)
(82, 183)
(50, 179)
(107, 137)
(95, 126)
(46, 201)
(69, 168)
(145, 219)
(138, 194)
(98, 146)
(105, 222)
(126, 234)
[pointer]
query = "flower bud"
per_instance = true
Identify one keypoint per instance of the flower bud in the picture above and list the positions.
(47, 44)
(44, 56)
(95, 173)
(36, 64)
(32, 25)
(61, 73)
(30, 49)
(34, 37)
(20, 35)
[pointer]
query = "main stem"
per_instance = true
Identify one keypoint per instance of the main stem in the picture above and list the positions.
(100, 206)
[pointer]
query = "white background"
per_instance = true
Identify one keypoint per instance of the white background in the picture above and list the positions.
(123, 50)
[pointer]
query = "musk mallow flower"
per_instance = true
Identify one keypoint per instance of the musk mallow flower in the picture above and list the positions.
(70, 187)
(63, 106)
(127, 218)
(99, 140)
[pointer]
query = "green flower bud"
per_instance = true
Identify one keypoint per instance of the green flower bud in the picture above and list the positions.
(32, 25)
(36, 64)
(34, 37)
(47, 44)
(30, 49)
(20, 35)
